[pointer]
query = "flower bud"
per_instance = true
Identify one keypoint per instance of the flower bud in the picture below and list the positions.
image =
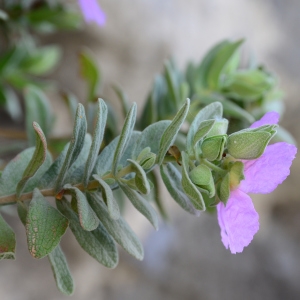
(219, 128)
(213, 147)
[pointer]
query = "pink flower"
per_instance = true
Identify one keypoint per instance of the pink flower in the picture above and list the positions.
(92, 11)
(238, 219)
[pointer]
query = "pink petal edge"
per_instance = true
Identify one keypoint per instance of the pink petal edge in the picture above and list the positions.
(238, 221)
(270, 118)
(265, 173)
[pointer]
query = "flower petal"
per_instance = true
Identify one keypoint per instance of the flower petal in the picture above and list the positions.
(238, 221)
(92, 11)
(269, 118)
(264, 174)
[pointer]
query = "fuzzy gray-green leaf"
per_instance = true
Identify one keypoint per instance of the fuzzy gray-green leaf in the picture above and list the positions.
(37, 159)
(211, 111)
(119, 229)
(75, 146)
(87, 218)
(97, 243)
(188, 186)
(97, 140)
(61, 272)
(45, 226)
(170, 133)
(141, 204)
(141, 180)
(107, 194)
(172, 180)
(124, 137)
(7, 241)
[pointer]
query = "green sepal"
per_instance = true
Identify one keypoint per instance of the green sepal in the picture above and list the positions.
(248, 144)
(236, 174)
(224, 189)
(213, 147)
(188, 186)
(97, 243)
(7, 241)
(107, 195)
(87, 218)
(45, 226)
(61, 272)
(201, 175)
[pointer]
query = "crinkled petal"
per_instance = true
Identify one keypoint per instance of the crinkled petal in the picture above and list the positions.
(270, 118)
(92, 11)
(238, 221)
(265, 173)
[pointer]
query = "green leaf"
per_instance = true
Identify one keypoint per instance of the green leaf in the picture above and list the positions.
(87, 218)
(219, 62)
(37, 159)
(14, 170)
(75, 146)
(97, 140)
(38, 110)
(124, 137)
(201, 175)
(203, 130)
(42, 60)
(173, 89)
(172, 180)
(61, 272)
(151, 136)
(123, 99)
(45, 226)
(7, 241)
(89, 71)
(141, 180)
(11, 103)
(140, 204)
(170, 133)
(211, 111)
(107, 195)
(118, 229)
(97, 243)
(188, 186)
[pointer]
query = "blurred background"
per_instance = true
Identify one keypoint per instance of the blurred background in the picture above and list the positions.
(185, 259)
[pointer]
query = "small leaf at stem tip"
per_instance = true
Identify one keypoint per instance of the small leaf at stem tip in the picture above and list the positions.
(171, 131)
(107, 195)
(88, 219)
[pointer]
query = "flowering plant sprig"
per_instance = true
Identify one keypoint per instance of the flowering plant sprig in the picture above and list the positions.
(207, 171)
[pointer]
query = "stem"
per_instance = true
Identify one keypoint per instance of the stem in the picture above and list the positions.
(213, 167)
(94, 184)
